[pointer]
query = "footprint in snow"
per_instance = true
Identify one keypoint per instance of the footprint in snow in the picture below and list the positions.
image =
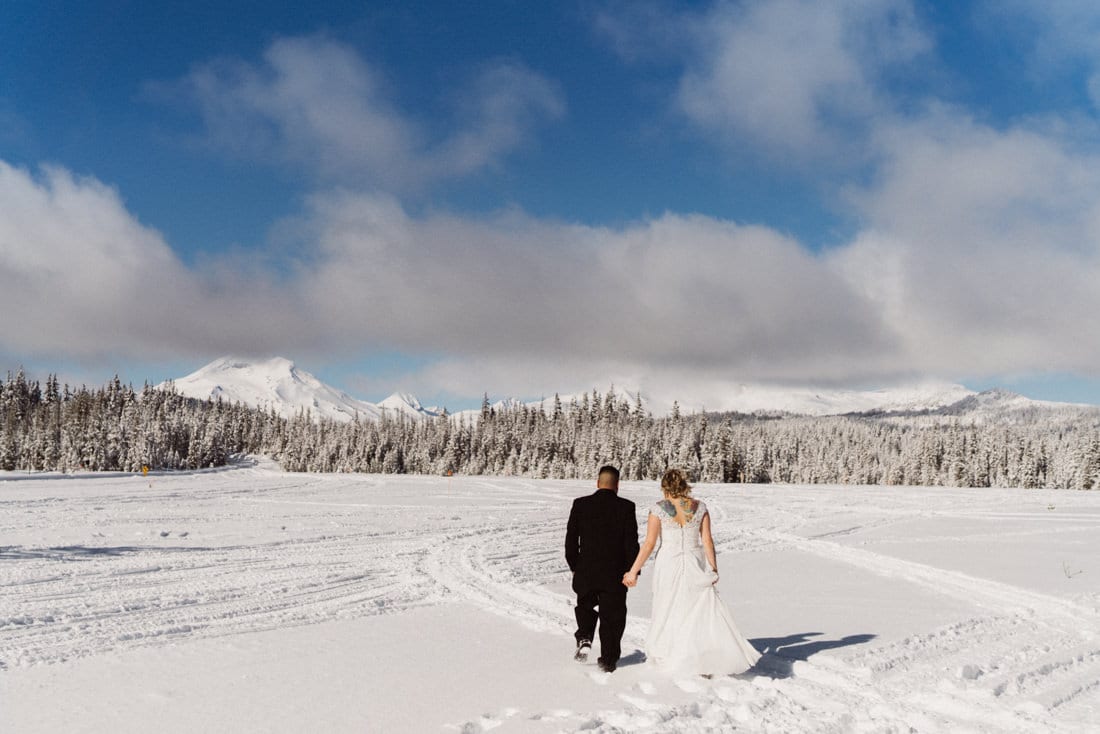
(640, 703)
(486, 722)
(555, 714)
(688, 686)
(600, 678)
(969, 672)
(647, 688)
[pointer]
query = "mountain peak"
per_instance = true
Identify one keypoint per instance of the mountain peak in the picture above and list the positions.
(403, 402)
(277, 383)
(231, 364)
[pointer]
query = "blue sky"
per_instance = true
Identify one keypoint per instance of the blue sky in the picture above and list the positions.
(84, 85)
(523, 197)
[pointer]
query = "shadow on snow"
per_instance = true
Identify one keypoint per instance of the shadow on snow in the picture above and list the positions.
(781, 653)
(778, 654)
(84, 552)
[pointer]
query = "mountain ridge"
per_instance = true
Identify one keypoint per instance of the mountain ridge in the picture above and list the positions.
(278, 383)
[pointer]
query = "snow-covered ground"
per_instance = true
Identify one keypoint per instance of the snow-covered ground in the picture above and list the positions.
(252, 600)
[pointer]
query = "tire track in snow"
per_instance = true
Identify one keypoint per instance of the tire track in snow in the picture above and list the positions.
(1055, 639)
(492, 568)
(109, 602)
(108, 598)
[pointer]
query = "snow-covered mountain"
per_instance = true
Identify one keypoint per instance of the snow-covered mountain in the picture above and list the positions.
(1002, 405)
(403, 402)
(818, 402)
(941, 399)
(277, 383)
(998, 400)
(775, 399)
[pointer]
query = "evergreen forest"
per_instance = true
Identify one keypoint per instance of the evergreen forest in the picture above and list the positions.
(54, 427)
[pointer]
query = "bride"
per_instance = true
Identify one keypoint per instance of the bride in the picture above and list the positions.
(692, 630)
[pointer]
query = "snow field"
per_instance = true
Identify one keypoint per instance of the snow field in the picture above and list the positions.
(253, 600)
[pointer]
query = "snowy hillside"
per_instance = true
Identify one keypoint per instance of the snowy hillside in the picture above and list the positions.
(999, 400)
(999, 406)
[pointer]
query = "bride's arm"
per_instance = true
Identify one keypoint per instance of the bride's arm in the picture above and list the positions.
(708, 543)
(652, 531)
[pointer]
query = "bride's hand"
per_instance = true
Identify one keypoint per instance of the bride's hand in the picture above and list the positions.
(715, 582)
(630, 579)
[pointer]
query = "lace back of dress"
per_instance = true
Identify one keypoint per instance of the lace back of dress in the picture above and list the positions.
(666, 511)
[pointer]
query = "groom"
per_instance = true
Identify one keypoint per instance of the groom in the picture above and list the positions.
(601, 543)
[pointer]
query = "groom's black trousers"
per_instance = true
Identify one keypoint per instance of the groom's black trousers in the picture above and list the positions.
(612, 619)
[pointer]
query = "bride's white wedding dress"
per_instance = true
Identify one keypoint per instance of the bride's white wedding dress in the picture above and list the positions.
(692, 629)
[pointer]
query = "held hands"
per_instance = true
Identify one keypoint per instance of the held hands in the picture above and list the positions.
(630, 579)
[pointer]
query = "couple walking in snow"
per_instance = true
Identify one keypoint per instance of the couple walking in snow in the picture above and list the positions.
(691, 629)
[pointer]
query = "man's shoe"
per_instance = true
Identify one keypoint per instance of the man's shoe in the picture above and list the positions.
(606, 667)
(583, 648)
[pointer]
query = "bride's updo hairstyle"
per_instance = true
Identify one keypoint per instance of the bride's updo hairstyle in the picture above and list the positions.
(675, 484)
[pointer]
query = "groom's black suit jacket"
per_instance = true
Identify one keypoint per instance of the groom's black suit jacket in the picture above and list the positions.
(601, 541)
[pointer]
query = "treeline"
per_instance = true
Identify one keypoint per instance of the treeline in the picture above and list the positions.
(113, 428)
(568, 442)
(118, 428)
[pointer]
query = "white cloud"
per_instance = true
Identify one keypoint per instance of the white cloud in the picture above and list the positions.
(691, 292)
(796, 76)
(71, 256)
(80, 277)
(980, 256)
(978, 246)
(315, 103)
(684, 291)
(982, 247)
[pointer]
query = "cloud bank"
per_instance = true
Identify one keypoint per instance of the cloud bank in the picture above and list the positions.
(685, 291)
(966, 267)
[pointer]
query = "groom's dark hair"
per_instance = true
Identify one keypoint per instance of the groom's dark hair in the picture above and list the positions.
(610, 472)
